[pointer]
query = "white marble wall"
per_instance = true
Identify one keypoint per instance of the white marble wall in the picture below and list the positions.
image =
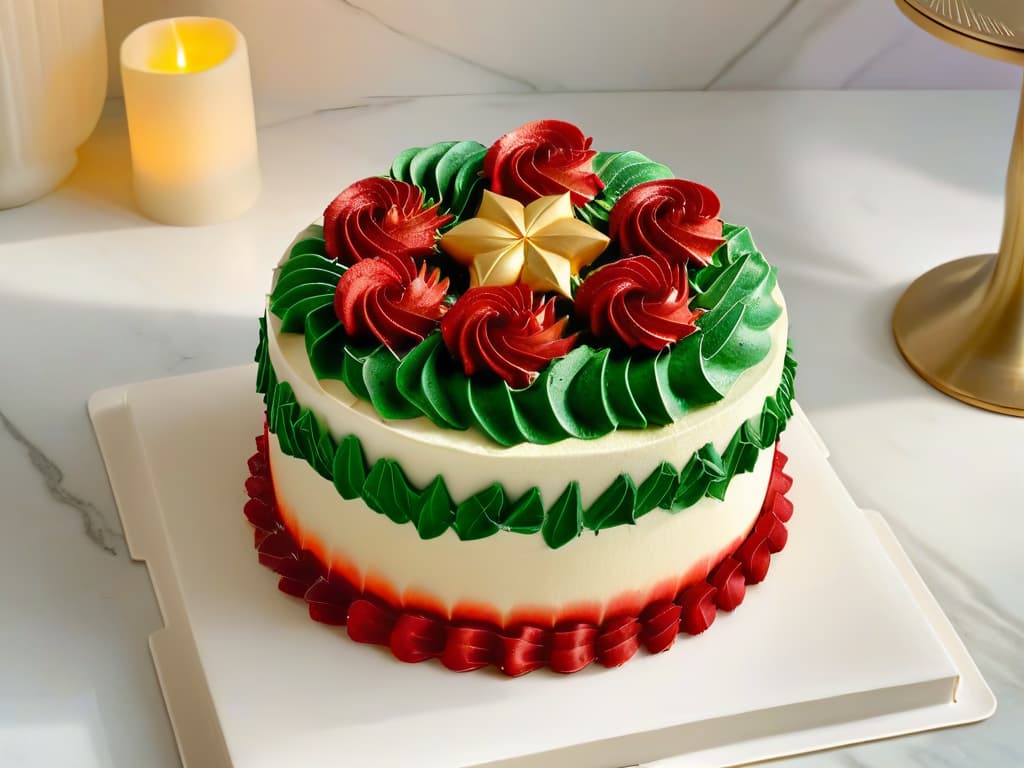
(310, 55)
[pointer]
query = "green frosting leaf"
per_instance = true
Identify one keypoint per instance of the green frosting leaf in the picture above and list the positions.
(387, 491)
(616, 506)
(703, 468)
(477, 517)
(449, 173)
(433, 512)
(349, 468)
(564, 521)
(657, 490)
(264, 370)
(527, 514)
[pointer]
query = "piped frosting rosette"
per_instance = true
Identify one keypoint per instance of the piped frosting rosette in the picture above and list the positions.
(636, 288)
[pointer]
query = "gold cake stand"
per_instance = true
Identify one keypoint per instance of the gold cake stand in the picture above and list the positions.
(961, 325)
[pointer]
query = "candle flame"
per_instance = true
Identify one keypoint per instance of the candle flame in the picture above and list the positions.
(179, 56)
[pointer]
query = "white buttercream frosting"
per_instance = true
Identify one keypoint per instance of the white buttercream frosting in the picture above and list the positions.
(469, 461)
(507, 570)
(510, 570)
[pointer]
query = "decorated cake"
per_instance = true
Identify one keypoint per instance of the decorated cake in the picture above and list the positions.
(522, 407)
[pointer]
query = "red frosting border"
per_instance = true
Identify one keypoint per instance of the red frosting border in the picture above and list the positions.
(461, 646)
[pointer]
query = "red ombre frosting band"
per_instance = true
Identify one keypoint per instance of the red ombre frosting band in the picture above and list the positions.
(464, 643)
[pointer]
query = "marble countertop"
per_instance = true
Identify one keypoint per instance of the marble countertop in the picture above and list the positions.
(852, 195)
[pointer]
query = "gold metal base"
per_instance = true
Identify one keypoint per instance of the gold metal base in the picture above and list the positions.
(961, 325)
(946, 330)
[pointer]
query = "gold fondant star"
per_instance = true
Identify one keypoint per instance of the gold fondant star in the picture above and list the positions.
(541, 245)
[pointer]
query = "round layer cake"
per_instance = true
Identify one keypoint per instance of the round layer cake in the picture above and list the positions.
(523, 404)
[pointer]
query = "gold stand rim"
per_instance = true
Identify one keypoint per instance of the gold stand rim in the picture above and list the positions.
(960, 326)
(901, 323)
(947, 34)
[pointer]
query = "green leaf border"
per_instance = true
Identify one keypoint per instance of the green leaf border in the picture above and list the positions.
(384, 487)
(585, 395)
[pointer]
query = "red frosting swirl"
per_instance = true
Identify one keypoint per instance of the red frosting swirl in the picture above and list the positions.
(674, 217)
(641, 300)
(545, 157)
(502, 329)
(377, 216)
(729, 579)
(390, 299)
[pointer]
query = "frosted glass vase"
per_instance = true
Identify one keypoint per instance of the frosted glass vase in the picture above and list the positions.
(53, 79)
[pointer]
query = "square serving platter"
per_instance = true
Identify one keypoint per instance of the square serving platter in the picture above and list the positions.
(841, 643)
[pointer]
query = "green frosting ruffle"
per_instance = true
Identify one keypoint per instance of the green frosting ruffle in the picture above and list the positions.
(620, 172)
(449, 173)
(384, 487)
(586, 394)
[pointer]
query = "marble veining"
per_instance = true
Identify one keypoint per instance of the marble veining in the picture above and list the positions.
(94, 521)
(433, 46)
(306, 57)
(780, 17)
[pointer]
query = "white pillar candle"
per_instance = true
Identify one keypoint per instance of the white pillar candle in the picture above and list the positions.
(188, 98)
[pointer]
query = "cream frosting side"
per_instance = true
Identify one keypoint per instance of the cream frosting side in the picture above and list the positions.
(509, 570)
(469, 461)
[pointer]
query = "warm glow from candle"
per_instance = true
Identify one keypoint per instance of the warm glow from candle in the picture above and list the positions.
(180, 54)
(186, 46)
(188, 100)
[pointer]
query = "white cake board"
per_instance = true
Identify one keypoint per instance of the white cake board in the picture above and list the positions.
(842, 642)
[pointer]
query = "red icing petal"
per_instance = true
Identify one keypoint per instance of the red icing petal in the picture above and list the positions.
(416, 638)
(779, 460)
(697, 607)
(660, 625)
(261, 514)
(780, 483)
(504, 330)
(369, 622)
(276, 549)
(618, 641)
(376, 217)
(391, 299)
(731, 582)
(755, 557)
(774, 532)
(522, 650)
(545, 157)
(298, 574)
(640, 300)
(328, 601)
(674, 218)
(572, 648)
(469, 648)
(258, 465)
(258, 537)
(782, 508)
(260, 488)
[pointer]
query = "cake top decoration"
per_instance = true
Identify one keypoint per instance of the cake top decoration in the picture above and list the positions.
(535, 289)
(541, 245)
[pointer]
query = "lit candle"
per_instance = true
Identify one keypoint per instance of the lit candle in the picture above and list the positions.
(188, 98)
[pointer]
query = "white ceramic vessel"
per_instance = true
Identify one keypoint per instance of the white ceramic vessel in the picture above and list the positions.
(53, 79)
